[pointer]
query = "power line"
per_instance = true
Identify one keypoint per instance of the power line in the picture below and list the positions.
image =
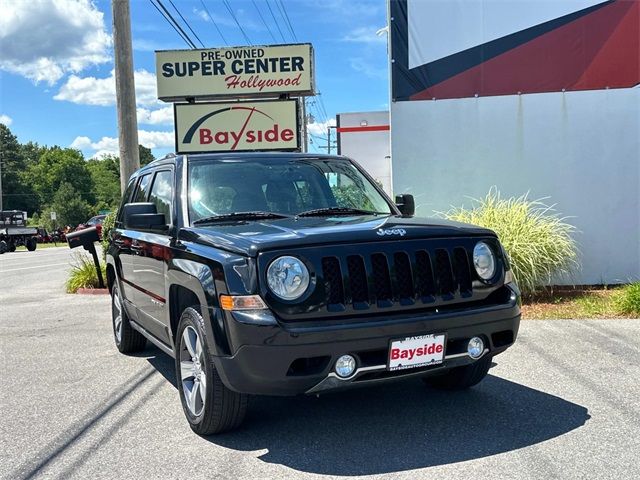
(164, 9)
(274, 20)
(215, 24)
(185, 22)
(235, 19)
(264, 21)
(283, 11)
(186, 40)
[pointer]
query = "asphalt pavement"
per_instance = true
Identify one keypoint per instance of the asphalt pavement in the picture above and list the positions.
(562, 403)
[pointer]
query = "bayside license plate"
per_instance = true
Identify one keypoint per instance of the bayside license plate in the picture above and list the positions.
(414, 352)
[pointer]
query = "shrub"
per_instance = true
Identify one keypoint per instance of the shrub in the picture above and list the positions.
(107, 225)
(83, 274)
(536, 238)
(627, 301)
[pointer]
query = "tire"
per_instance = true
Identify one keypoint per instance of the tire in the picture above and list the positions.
(3, 247)
(31, 244)
(460, 378)
(127, 339)
(210, 407)
(12, 247)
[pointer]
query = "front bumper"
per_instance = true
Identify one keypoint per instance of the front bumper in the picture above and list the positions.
(290, 360)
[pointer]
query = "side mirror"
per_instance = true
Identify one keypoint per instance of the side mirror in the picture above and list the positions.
(143, 216)
(406, 204)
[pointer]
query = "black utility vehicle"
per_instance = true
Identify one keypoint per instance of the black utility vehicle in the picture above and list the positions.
(287, 273)
(14, 231)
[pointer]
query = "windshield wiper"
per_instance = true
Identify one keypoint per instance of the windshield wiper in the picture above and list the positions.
(319, 212)
(239, 216)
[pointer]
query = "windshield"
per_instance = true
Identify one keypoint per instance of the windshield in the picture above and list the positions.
(279, 185)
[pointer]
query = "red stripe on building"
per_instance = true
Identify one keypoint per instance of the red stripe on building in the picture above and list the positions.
(369, 128)
(597, 51)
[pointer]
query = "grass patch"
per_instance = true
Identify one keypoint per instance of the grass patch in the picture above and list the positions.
(83, 273)
(579, 303)
(628, 300)
(44, 245)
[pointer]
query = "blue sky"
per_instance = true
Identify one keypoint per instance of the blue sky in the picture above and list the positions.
(56, 62)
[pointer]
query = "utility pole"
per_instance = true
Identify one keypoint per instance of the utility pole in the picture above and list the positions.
(1, 158)
(125, 91)
(329, 127)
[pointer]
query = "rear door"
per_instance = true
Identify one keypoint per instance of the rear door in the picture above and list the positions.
(151, 261)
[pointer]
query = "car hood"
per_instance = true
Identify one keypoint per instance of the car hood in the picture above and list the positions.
(252, 237)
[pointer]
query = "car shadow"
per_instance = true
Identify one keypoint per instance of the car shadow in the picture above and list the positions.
(396, 427)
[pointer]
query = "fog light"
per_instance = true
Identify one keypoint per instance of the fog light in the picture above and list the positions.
(475, 347)
(345, 366)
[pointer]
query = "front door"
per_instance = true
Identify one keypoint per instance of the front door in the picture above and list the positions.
(151, 262)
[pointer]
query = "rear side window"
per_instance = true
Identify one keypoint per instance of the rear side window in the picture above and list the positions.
(143, 188)
(162, 193)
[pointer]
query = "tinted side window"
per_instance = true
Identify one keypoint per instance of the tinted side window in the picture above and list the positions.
(162, 193)
(143, 188)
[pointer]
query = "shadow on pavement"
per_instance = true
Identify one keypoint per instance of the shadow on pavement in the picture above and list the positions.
(397, 427)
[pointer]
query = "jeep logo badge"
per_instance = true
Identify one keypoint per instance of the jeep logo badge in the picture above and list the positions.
(391, 231)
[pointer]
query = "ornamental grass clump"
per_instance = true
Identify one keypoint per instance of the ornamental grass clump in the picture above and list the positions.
(83, 274)
(538, 241)
(627, 301)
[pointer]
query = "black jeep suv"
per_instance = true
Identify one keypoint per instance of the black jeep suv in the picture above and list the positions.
(287, 273)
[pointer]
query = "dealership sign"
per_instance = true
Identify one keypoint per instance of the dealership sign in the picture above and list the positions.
(235, 72)
(237, 126)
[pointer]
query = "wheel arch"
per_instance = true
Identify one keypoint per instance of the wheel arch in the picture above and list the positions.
(190, 284)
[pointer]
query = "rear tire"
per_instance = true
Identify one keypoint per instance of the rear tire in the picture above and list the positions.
(3, 247)
(127, 339)
(210, 407)
(460, 378)
(31, 244)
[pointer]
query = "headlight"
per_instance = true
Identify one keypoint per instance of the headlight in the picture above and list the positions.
(288, 278)
(484, 261)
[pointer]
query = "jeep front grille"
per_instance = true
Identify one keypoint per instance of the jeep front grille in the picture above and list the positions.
(384, 279)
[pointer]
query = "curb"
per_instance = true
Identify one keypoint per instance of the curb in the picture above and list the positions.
(93, 291)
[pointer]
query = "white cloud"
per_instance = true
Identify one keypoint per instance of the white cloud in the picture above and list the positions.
(161, 116)
(6, 119)
(320, 128)
(202, 14)
(109, 145)
(44, 39)
(366, 67)
(156, 139)
(365, 35)
(102, 91)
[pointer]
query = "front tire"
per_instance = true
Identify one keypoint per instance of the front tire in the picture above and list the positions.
(127, 339)
(460, 378)
(210, 407)
(31, 244)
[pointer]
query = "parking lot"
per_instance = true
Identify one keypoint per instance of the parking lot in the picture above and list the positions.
(562, 403)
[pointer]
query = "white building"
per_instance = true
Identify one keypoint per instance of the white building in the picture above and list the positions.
(529, 96)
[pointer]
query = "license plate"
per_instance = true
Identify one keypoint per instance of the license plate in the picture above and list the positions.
(414, 352)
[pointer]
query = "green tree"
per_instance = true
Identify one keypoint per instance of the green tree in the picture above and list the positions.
(57, 166)
(70, 207)
(105, 174)
(17, 194)
(146, 157)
